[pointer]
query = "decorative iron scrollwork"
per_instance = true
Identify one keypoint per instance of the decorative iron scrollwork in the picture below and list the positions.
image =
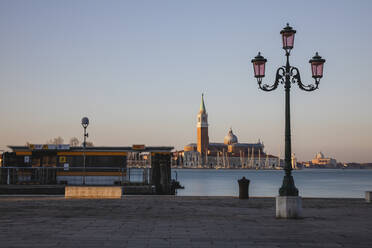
(296, 79)
(279, 79)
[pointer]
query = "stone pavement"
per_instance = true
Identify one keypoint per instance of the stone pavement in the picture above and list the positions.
(180, 221)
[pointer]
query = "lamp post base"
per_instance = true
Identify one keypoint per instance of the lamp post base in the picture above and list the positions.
(369, 196)
(288, 207)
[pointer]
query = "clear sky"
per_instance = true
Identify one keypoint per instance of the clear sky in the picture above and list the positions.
(137, 70)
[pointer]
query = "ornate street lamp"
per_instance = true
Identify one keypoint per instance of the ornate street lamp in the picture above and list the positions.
(288, 75)
(84, 123)
(288, 34)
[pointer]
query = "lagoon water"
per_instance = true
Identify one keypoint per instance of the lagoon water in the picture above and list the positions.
(310, 182)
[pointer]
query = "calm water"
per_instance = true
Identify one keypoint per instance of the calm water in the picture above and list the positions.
(310, 182)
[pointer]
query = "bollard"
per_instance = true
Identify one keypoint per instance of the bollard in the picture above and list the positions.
(369, 196)
(243, 188)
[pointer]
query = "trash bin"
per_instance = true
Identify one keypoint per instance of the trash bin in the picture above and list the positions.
(243, 188)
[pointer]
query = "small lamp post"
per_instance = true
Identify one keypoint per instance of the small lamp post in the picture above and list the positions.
(288, 75)
(84, 123)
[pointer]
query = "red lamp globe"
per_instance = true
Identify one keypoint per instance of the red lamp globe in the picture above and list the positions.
(317, 66)
(259, 66)
(288, 34)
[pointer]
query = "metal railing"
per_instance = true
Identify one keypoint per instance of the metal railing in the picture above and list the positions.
(74, 175)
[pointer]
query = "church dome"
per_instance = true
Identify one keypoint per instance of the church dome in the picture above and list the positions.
(230, 138)
(319, 155)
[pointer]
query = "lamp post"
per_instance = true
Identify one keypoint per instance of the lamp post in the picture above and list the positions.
(288, 75)
(84, 123)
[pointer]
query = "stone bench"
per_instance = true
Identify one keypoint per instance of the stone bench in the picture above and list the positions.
(93, 192)
(368, 196)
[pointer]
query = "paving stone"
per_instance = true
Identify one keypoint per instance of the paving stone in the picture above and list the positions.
(168, 221)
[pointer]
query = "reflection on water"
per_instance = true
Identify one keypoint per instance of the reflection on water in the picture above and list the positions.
(310, 182)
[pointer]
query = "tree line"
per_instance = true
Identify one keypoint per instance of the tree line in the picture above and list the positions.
(59, 141)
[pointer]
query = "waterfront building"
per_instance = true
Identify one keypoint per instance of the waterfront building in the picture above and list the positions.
(229, 154)
(62, 164)
(320, 161)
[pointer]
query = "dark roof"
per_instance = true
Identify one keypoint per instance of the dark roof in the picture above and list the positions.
(238, 144)
(249, 144)
(105, 148)
(217, 144)
(257, 145)
(191, 144)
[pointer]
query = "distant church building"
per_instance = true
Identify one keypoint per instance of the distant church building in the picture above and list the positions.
(202, 129)
(320, 161)
(229, 154)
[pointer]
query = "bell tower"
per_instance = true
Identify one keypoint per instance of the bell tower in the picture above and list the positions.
(202, 129)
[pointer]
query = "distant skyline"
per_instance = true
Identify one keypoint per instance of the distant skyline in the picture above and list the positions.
(137, 69)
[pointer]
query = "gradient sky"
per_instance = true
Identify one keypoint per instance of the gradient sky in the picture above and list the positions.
(137, 70)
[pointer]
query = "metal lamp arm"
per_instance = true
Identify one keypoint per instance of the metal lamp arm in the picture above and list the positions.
(279, 78)
(296, 79)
